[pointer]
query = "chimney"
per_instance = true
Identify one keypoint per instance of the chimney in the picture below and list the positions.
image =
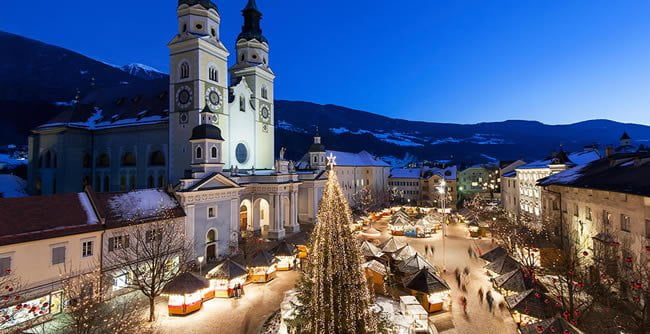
(609, 151)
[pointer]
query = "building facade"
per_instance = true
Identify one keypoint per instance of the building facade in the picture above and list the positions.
(509, 187)
(422, 185)
(604, 206)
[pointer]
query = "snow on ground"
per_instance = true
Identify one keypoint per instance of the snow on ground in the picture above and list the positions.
(396, 138)
(284, 125)
(12, 186)
(142, 203)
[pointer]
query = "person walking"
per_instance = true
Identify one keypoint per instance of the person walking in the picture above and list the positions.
(463, 302)
(466, 271)
(432, 249)
(469, 252)
(489, 299)
(480, 295)
(457, 273)
(426, 250)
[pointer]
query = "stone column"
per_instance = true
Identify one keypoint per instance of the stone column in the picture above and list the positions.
(293, 212)
(276, 230)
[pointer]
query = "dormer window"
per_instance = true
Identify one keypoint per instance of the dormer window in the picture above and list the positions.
(242, 103)
(185, 70)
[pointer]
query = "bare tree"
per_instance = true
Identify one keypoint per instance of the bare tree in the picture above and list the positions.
(364, 201)
(153, 254)
(88, 313)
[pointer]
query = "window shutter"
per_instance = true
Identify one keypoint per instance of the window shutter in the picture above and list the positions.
(111, 244)
(126, 241)
(5, 266)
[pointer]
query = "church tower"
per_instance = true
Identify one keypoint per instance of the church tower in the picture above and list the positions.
(317, 159)
(252, 66)
(198, 81)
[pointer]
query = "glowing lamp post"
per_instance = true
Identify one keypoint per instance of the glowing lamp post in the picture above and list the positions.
(442, 190)
(200, 259)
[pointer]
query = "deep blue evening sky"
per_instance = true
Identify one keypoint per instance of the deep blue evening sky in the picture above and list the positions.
(460, 61)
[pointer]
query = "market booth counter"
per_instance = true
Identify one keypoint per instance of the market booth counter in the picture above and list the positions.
(185, 293)
(285, 256)
(375, 274)
(225, 277)
(261, 268)
(430, 289)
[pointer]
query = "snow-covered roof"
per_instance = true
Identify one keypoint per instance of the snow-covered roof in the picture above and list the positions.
(577, 158)
(361, 159)
(12, 186)
(138, 206)
(405, 173)
(448, 173)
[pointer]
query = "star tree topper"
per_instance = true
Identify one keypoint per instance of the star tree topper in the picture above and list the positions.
(331, 161)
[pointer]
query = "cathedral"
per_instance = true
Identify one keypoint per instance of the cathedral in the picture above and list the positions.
(206, 135)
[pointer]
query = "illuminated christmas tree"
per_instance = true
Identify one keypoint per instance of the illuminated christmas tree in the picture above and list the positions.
(334, 293)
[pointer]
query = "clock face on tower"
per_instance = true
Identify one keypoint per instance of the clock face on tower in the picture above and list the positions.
(184, 97)
(213, 98)
(265, 113)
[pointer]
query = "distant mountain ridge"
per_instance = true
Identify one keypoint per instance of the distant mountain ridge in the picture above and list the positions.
(37, 81)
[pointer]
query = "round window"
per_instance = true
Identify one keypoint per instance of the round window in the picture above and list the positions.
(241, 152)
(199, 27)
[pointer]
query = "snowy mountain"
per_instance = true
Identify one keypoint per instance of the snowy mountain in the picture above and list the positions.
(143, 71)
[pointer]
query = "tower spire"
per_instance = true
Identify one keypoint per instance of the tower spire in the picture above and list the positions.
(252, 28)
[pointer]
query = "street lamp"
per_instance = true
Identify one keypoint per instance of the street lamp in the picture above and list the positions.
(200, 259)
(442, 190)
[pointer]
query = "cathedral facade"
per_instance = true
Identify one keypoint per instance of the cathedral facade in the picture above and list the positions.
(206, 135)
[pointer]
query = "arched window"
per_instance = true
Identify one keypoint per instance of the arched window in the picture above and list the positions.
(199, 152)
(214, 152)
(128, 159)
(213, 74)
(211, 236)
(185, 70)
(157, 158)
(103, 161)
(265, 93)
(242, 103)
(315, 159)
(87, 161)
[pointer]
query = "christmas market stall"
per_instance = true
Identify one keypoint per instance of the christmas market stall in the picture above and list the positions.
(414, 264)
(225, 277)
(494, 254)
(391, 246)
(556, 325)
(397, 227)
(285, 255)
(502, 265)
(530, 307)
(401, 215)
(370, 233)
(404, 253)
(261, 267)
(185, 293)
(430, 289)
(370, 251)
(512, 282)
(375, 274)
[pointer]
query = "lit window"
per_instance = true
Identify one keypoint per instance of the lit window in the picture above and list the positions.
(87, 249)
(625, 223)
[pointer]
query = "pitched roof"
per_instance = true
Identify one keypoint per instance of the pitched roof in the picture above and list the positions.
(405, 173)
(143, 102)
(414, 263)
(375, 266)
(186, 283)
(228, 269)
(370, 250)
(624, 172)
(43, 217)
(361, 159)
(284, 249)
(425, 280)
(206, 131)
(533, 303)
(12, 186)
(577, 158)
(494, 254)
(404, 253)
(503, 265)
(139, 206)
(512, 281)
(391, 245)
(261, 259)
